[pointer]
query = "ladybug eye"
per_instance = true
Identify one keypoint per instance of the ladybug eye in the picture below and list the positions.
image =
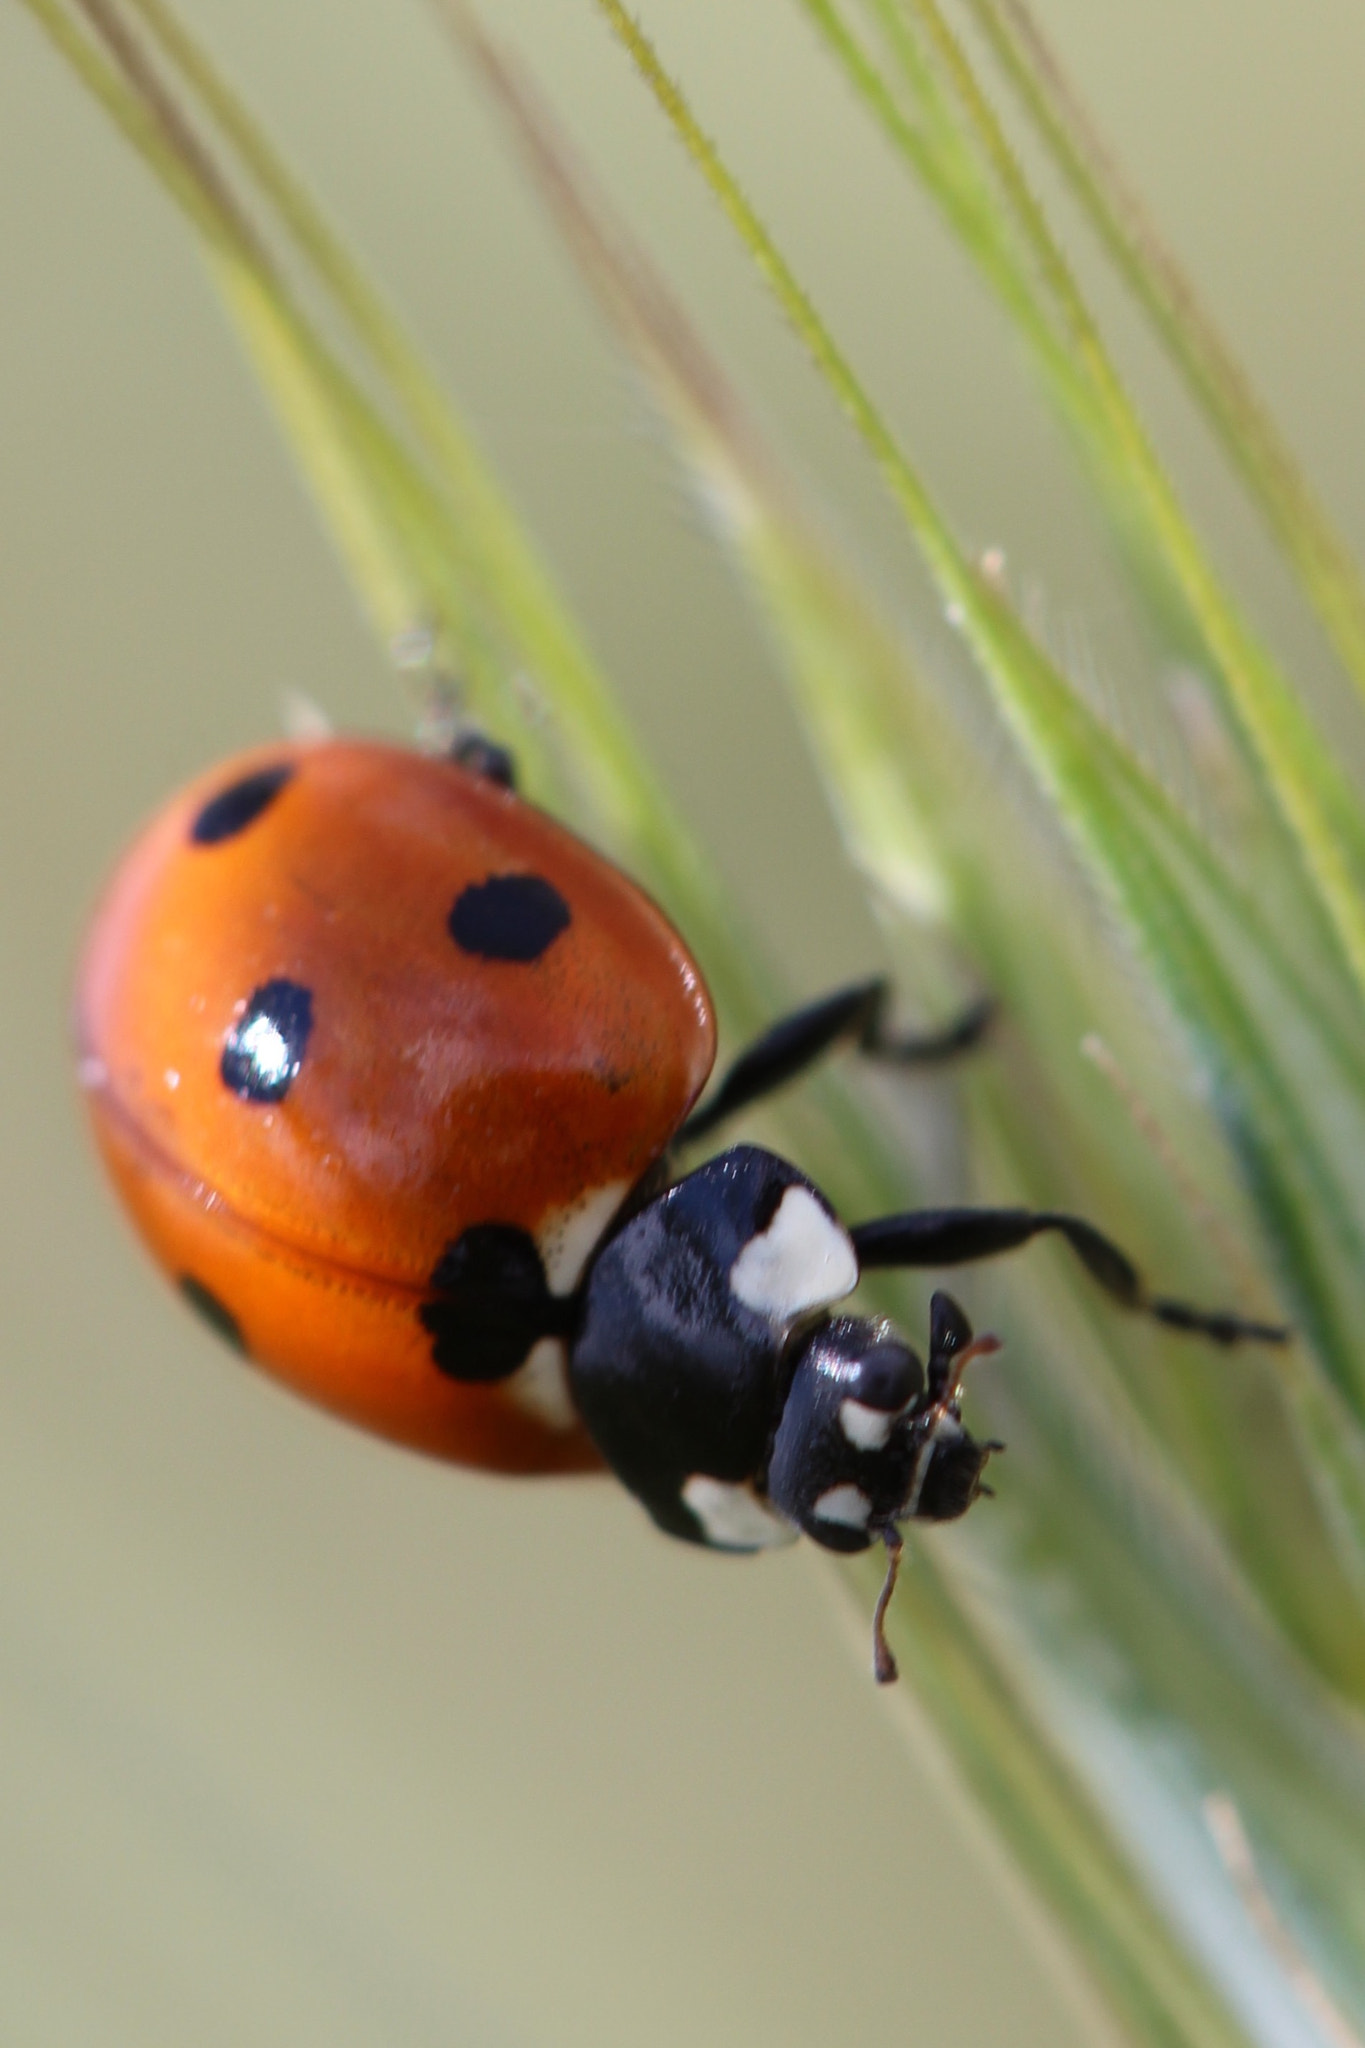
(508, 917)
(265, 1047)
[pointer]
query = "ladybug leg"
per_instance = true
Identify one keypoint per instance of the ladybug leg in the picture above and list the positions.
(884, 1668)
(482, 756)
(952, 1237)
(851, 1016)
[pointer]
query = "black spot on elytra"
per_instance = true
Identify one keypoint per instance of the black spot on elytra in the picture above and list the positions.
(492, 1304)
(239, 805)
(264, 1049)
(220, 1320)
(508, 917)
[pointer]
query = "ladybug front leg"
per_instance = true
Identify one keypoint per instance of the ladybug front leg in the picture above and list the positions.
(952, 1237)
(853, 1016)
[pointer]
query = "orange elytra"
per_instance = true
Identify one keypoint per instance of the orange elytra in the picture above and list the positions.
(344, 1004)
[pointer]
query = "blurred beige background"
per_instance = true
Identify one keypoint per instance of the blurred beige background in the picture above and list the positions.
(301, 1740)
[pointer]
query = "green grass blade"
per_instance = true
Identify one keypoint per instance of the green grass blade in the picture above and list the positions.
(1217, 379)
(140, 125)
(360, 476)
(938, 155)
(886, 833)
(1149, 1724)
(1317, 800)
(1057, 1835)
(424, 528)
(622, 794)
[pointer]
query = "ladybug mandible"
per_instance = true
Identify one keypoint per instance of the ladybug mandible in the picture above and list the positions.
(388, 1068)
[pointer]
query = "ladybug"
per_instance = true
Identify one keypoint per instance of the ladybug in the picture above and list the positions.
(389, 1070)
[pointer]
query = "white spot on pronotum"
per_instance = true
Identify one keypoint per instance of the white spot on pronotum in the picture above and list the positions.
(541, 1384)
(847, 1505)
(867, 1429)
(172, 1078)
(732, 1517)
(803, 1260)
(568, 1237)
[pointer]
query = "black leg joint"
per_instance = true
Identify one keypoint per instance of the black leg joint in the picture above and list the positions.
(927, 1048)
(851, 1016)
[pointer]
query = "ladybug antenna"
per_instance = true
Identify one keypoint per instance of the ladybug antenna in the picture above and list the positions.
(884, 1667)
(946, 1475)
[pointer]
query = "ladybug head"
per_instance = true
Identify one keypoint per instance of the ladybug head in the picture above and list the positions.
(868, 1438)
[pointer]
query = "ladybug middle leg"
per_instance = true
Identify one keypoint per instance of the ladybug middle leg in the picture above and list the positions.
(953, 1237)
(854, 1016)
